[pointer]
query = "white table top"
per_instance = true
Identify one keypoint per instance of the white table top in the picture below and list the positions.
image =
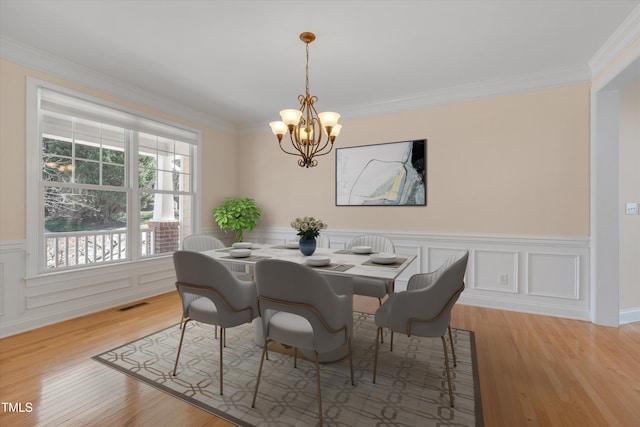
(339, 261)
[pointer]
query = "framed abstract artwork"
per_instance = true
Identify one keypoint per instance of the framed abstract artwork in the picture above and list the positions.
(390, 174)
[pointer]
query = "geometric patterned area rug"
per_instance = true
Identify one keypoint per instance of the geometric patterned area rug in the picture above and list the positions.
(410, 390)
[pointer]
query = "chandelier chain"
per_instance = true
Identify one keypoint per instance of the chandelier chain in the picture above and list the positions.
(307, 71)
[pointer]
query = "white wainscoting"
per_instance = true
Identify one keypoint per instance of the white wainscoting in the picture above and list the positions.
(543, 275)
(534, 274)
(30, 303)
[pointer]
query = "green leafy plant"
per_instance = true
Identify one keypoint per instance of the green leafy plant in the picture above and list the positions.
(237, 214)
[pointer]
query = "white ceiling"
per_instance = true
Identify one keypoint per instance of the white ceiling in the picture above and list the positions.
(241, 61)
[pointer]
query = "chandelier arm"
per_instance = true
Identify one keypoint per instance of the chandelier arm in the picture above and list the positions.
(294, 141)
(320, 153)
(310, 123)
(319, 149)
(289, 152)
(313, 121)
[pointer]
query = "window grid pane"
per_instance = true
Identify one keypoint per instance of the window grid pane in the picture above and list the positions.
(87, 193)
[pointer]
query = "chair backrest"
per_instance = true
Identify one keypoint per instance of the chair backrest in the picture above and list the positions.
(322, 241)
(200, 275)
(201, 242)
(377, 243)
(426, 311)
(295, 288)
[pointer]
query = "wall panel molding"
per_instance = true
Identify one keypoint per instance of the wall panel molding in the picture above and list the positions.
(496, 270)
(524, 263)
(553, 275)
(30, 302)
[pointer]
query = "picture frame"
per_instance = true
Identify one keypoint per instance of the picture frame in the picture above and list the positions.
(387, 174)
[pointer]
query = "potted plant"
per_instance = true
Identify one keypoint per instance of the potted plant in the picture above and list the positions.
(237, 214)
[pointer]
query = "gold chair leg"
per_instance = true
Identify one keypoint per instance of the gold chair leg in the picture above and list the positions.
(391, 345)
(446, 364)
(375, 355)
(223, 336)
(255, 393)
(381, 336)
(319, 392)
(222, 332)
(184, 328)
(453, 350)
(351, 362)
(295, 357)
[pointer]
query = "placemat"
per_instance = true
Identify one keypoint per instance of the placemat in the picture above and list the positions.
(334, 267)
(350, 252)
(398, 263)
(247, 258)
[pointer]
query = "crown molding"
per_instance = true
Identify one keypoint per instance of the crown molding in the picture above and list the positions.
(50, 64)
(55, 66)
(627, 33)
(486, 89)
(471, 91)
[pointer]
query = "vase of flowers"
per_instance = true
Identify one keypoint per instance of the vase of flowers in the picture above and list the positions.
(308, 229)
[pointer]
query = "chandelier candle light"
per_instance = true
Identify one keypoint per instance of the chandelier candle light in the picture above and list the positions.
(306, 126)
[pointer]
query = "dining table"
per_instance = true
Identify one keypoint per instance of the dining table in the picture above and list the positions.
(343, 262)
(342, 266)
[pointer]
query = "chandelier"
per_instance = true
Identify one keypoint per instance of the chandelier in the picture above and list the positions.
(307, 128)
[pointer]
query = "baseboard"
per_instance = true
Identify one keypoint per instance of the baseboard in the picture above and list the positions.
(34, 322)
(525, 307)
(629, 315)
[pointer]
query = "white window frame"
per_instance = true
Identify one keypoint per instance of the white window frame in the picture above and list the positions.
(34, 194)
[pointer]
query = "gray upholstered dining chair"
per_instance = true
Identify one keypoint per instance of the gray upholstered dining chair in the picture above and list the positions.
(201, 243)
(299, 308)
(377, 288)
(204, 242)
(323, 241)
(211, 294)
(424, 309)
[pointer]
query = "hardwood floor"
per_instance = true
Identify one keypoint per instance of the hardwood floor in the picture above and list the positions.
(534, 370)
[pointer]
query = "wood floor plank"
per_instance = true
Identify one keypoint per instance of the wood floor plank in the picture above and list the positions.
(534, 371)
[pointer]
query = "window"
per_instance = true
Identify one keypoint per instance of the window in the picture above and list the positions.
(112, 186)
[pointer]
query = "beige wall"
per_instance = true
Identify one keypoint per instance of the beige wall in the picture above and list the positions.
(516, 164)
(216, 167)
(629, 192)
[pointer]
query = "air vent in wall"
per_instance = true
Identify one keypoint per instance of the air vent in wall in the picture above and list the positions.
(133, 306)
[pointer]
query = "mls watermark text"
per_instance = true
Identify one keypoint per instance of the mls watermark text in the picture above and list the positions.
(17, 406)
